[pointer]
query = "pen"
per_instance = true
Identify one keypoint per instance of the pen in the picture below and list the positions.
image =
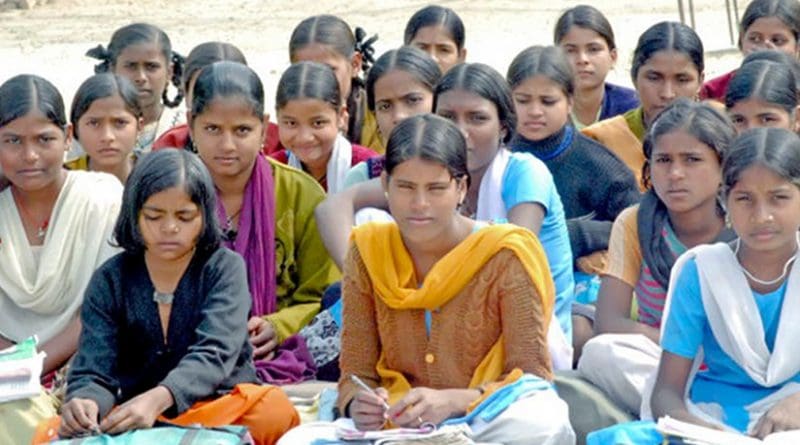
(364, 386)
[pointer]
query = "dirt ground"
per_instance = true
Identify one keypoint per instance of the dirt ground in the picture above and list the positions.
(50, 40)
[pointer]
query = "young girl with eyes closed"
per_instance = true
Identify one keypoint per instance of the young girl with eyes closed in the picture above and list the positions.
(586, 36)
(438, 31)
(766, 24)
(481, 331)
(106, 120)
(266, 212)
(55, 227)
(328, 40)
(143, 54)
(684, 149)
(166, 320)
(310, 113)
(737, 301)
(763, 93)
(667, 64)
(399, 85)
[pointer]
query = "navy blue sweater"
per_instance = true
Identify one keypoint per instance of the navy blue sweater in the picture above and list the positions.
(594, 185)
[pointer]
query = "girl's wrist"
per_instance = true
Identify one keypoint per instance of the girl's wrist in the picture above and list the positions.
(162, 397)
(461, 399)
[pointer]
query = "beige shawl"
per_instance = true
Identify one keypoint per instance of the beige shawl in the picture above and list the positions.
(42, 300)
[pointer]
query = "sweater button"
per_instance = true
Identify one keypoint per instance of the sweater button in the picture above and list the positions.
(429, 358)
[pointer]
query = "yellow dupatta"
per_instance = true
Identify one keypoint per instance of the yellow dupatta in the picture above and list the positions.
(623, 136)
(394, 282)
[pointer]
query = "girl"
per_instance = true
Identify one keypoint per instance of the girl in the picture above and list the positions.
(744, 320)
(310, 113)
(106, 120)
(766, 24)
(588, 40)
(266, 210)
(166, 318)
(667, 64)
(399, 85)
(763, 94)
(438, 31)
(54, 231)
(513, 186)
(327, 39)
(684, 148)
(409, 304)
(201, 56)
(143, 53)
(543, 90)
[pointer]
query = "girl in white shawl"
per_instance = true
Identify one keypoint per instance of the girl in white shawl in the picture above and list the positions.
(54, 232)
(734, 307)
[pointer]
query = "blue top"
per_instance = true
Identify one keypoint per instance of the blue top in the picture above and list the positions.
(527, 180)
(617, 100)
(724, 382)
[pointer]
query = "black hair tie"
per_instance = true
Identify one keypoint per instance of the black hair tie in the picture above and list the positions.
(365, 47)
(99, 52)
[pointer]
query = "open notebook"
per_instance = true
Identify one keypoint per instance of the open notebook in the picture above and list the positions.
(699, 435)
(427, 434)
(20, 368)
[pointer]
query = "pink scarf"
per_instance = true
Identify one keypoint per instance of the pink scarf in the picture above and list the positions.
(255, 239)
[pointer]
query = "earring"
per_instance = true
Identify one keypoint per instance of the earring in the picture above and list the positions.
(728, 223)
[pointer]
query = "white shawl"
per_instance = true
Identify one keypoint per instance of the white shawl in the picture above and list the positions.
(338, 164)
(735, 320)
(42, 300)
(490, 193)
(491, 208)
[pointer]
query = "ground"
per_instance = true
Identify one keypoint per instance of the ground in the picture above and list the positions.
(50, 40)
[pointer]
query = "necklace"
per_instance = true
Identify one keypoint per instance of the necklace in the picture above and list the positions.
(163, 297)
(41, 229)
(230, 232)
(766, 282)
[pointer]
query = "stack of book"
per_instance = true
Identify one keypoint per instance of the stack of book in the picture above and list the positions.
(20, 368)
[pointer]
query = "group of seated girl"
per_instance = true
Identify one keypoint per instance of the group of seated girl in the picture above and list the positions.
(496, 207)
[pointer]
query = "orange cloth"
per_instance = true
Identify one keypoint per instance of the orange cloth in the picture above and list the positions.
(264, 410)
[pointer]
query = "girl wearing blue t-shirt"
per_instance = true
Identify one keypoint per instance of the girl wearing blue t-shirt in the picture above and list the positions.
(738, 301)
(513, 186)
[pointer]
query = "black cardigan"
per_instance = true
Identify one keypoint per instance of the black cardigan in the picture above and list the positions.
(122, 353)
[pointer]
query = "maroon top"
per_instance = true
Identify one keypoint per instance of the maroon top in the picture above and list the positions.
(716, 88)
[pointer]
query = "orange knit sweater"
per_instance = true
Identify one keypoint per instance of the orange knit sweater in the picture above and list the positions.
(500, 299)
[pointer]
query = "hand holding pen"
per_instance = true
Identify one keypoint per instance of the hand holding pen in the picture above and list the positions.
(369, 406)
